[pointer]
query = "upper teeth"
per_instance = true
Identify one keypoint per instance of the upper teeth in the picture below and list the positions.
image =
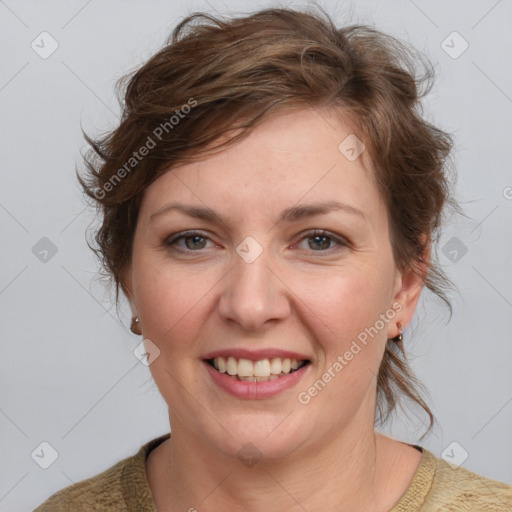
(261, 368)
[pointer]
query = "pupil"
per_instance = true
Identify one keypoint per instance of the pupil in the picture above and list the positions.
(194, 240)
(325, 238)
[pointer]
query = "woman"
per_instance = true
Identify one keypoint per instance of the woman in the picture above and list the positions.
(269, 203)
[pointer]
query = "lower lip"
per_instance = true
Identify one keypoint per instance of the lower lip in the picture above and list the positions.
(255, 390)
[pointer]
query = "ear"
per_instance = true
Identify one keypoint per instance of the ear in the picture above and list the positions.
(408, 286)
(126, 285)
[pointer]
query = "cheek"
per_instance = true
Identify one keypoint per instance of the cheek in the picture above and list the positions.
(348, 328)
(171, 302)
(346, 301)
(172, 309)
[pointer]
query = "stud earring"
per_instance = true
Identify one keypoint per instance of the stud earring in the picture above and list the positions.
(135, 327)
(399, 338)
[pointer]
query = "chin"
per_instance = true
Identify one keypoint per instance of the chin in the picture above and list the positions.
(267, 438)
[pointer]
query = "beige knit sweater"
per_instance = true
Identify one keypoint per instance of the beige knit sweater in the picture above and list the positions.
(436, 486)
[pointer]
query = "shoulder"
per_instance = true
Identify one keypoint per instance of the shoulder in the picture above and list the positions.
(117, 489)
(454, 487)
(96, 493)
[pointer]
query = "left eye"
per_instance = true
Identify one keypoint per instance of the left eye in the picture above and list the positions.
(320, 241)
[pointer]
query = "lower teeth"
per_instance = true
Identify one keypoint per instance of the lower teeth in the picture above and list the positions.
(258, 379)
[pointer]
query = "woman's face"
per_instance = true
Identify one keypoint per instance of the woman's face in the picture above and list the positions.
(261, 284)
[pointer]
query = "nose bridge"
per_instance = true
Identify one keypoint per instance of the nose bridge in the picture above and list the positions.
(253, 295)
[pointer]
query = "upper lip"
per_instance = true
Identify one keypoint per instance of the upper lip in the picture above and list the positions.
(255, 355)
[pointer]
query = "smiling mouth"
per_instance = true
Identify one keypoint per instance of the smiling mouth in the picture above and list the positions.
(256, 371)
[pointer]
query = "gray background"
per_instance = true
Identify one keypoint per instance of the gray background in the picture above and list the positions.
(68, 373)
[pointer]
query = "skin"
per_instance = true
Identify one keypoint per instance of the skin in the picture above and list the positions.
(310, 296)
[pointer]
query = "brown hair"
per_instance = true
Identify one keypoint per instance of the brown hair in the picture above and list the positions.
(216, 79)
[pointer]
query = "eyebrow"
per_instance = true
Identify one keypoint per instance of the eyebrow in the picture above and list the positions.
(289, 215)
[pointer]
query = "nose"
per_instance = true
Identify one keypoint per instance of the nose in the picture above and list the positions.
(254, 296)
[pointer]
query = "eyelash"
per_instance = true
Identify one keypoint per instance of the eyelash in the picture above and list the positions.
(171, 241)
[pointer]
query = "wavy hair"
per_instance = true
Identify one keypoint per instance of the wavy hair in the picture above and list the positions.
(216, 79)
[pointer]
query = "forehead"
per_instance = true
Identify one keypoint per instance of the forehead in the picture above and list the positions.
(299, 157)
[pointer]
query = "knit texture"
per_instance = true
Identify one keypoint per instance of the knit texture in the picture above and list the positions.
(436, 487)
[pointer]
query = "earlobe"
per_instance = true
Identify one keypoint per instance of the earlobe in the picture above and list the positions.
(133, 308)
(409, 285)
(135, 325)
(408, 294)
(125, 283)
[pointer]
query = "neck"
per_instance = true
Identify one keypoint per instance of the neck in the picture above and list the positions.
(344, 473)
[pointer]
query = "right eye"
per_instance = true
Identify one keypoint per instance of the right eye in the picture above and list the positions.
(194, 240)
